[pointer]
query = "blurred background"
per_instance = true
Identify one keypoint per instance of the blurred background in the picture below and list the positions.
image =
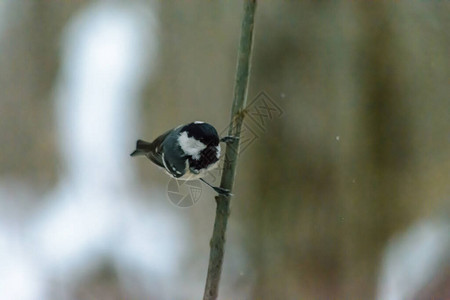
(343, 195)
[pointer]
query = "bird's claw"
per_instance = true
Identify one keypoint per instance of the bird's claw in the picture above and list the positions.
(229, 139)
(222, 191)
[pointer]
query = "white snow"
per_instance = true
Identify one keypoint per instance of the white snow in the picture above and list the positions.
(96, 211)
(412, 259)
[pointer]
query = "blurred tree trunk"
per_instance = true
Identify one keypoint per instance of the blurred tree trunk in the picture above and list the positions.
(338, 174)
(28, 67)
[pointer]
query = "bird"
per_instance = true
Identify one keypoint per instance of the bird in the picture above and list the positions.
(186, 152)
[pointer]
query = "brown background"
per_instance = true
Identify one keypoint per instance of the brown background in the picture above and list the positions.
(360, 152)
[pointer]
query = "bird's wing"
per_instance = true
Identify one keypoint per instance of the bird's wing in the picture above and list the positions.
(156, 149)
(157, 143)
(156, 159)
(174, 159)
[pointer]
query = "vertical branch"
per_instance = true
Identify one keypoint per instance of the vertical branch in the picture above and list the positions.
(217, 242)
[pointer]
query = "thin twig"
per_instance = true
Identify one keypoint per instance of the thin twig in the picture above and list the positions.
(217, 242)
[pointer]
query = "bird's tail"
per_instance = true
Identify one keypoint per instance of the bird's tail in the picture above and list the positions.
(142, 148)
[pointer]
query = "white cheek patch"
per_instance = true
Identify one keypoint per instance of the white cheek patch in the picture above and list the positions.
(190, 145)
(218, 151)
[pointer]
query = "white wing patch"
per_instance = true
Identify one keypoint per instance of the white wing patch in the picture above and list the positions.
(198, 122)
(190, 145)
(172, 167)
(164, 163)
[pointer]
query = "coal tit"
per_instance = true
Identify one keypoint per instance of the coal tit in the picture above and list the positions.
(186, 152)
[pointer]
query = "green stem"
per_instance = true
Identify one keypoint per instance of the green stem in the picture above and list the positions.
(217, 242)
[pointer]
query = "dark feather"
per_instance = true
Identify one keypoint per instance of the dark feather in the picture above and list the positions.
(142, 148)
(174, 157)
(156, 150)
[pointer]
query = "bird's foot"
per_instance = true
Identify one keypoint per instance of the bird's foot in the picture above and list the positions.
(229, 139)
(222, 191)
(219, 190)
